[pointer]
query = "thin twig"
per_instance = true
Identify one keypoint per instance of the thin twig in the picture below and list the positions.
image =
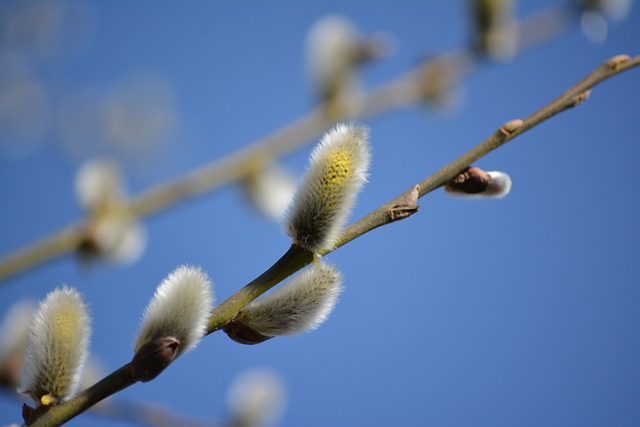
(294, 260)
(405, 90)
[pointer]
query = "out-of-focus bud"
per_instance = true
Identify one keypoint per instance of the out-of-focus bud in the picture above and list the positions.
(174, 322)
(438, 83)
(473, 182)
(13, 339)
(112, 232)
(98, 184)
(300, 305)
(270, 189)
(337, 169)
(596, 15)
(256, 398)
(334, 50)
(495, 31)
(57, 346)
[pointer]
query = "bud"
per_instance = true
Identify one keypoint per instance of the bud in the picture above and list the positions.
(473, 182)
(300, 305)
(114, 235)
(407, 206)
(511, 126)
(112, 232)
(438, 83)
(337, 169)
(13, 339)
(334, 50)
(56, 347)
(270, 189)
(177, 314)
(99, 183)
(153, 357)
(256, 398)
(496, 33)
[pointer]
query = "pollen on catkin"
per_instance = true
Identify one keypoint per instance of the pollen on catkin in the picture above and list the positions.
(57, 347)
(337, 169)
(300, 305)
(179, 309)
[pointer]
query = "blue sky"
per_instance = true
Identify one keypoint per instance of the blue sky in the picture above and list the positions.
(520, 311)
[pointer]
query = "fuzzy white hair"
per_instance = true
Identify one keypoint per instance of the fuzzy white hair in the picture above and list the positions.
(99, 182)
(179, 309)
(300, 305)
(57, 347)
(337, 169)
(331, 43)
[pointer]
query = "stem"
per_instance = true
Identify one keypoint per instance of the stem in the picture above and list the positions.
(293, 260)
(572, 97)
(56, 415)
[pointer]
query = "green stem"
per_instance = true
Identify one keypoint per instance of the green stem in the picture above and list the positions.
(293, 260)
(62, 413)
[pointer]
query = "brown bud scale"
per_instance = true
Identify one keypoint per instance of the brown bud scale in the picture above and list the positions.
(153, 358)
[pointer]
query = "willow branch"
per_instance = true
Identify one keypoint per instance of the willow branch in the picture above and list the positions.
(405, 90)
(295, 259)
(572, 97)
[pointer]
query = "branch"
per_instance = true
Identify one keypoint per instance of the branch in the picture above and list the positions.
(572, 97)
(403, 91)
(295, 259)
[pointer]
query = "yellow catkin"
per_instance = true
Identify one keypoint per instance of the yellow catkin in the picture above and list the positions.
(56, 347)
(336, 171)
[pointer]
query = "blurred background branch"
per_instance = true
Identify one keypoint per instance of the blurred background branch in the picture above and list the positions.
(424, 82)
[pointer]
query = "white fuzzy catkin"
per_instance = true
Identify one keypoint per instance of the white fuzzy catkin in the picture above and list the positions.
(337, 169)
(14, 330)
(499, 187)
(98, 183)
(119, 237)
(300, 305)
(331, 45)
(257, 398)
(179, 309)
(56, 347)
(270, 190)
(496, 31)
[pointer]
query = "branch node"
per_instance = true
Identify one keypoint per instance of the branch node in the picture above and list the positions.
(407, 205)
(581, 97)
(616, 61)
(511, 126)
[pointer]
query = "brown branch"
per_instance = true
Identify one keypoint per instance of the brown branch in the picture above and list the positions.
(294, 259)
(405, 90)
(572, 97)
